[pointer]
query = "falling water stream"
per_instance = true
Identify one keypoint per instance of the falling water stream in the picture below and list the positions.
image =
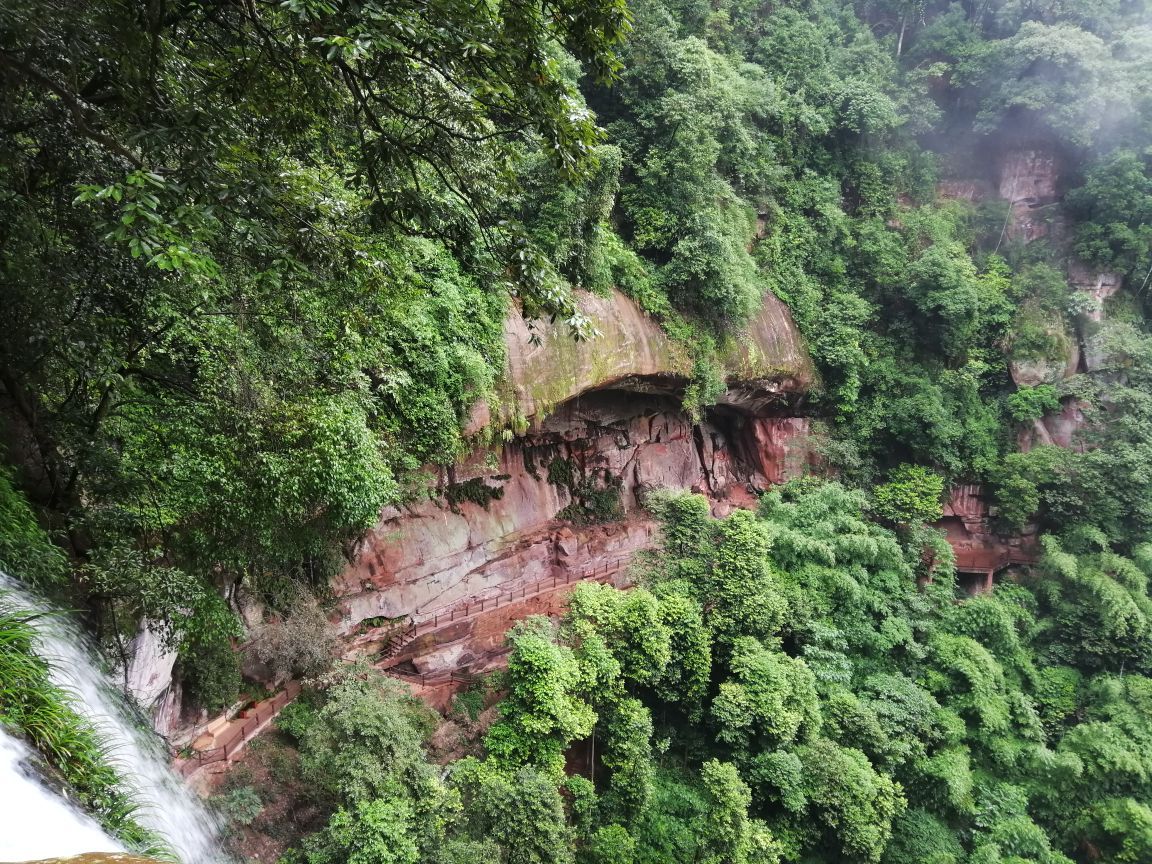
(38, 823)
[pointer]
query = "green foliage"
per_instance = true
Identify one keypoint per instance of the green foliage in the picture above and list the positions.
(1114, 211)
(611, 844)
(361, 740)
(245, 300)
(728, 836)
(1032, 403)
(470, 701)
(1059, 70)
(360, 736)
(1038, 332)
(521, 812)
(628, 755)
(921, 838)
(595, 495)
(475, 490)
(375, 832)
(1057, 696)
(670, 830)
(1098, 604)
(912, 496)
(845, 715)
(944, 289)
(256, 261)
(630, 625)
(771, 701)
(240, 805)
(871, 693)
(1121, 829)
(595, 499)
(685, 678)
(850, 799)
(743, 591)
(542, 713)
(211, 672)
(26, 551)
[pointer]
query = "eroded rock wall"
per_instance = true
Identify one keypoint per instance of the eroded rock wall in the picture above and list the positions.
(1028, 176)
(441, 553)
(630, 351)
(591, 426)
(585, 429)
(1028, 181)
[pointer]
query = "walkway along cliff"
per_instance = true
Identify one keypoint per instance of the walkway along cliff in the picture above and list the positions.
(592, 425)
(589, 427)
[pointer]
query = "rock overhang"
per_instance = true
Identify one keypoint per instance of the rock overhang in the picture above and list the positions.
(765, 362)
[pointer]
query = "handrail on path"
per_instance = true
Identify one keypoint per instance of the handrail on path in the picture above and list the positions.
(431, 620)
(985, 560)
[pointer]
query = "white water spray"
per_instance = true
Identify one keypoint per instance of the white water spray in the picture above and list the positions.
(38, 823)
(168, 807)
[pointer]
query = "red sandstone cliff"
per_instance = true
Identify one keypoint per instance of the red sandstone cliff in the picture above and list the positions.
(602, 414)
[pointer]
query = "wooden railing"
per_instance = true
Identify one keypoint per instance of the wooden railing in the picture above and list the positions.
(991, 560)
(432, 679)
(433, 619)
(188, 762)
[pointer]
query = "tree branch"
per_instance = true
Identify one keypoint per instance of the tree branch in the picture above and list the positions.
(75, 105)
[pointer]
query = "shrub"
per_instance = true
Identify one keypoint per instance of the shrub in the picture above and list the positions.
(300, 644)
(240, 805)
(1032, 403)
(911, 496)
(25, 550)
(211, 672)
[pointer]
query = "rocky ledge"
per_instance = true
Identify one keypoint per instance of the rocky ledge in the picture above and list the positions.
(598, 423)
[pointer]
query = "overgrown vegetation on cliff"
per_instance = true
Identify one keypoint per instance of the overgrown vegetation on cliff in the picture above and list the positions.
(257, 255)
(255, 260)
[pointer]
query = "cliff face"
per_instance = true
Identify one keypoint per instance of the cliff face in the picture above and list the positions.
(585, 429)
(547, 367)
(600, 423)
(1028, 181)
(1029, 177)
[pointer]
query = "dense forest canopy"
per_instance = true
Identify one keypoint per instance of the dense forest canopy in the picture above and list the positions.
(255, 260)
(776, 689)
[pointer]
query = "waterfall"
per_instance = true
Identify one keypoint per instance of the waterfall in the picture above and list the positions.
(39, 823)
(168, 807)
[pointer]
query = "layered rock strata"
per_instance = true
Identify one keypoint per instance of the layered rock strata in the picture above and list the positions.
(591, 427)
